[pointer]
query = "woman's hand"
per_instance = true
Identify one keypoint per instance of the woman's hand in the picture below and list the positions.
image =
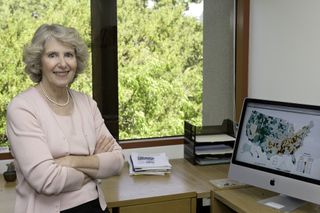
(64, 161)
(87, 164)
(87, 179)
(104, 145)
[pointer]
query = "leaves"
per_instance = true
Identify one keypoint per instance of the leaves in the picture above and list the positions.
(160, 69)
(18, 21)
(159, 55)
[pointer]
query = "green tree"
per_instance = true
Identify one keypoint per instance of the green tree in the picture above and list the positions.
(160, 68)
(18, 21)
(160, 59)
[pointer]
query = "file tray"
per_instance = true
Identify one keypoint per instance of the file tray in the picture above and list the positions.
(209, 144)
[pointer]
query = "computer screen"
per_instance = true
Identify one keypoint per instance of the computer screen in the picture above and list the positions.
(278, 148)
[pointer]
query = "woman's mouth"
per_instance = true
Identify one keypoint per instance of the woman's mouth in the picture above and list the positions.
(61, 73)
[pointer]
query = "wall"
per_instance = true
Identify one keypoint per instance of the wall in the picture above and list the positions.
(3, 165)
(218, 70)
(218, 61)
(284, 50)
(172, 151)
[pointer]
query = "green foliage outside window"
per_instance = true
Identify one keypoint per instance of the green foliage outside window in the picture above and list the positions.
(160, 68)
(160, 60)
(18, 21)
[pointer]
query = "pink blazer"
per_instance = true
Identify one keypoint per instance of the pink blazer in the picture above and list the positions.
(36, 139)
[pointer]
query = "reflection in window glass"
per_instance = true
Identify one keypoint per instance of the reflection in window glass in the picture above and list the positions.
(160, 66)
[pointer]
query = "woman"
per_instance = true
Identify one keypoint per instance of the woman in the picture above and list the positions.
(58, 138)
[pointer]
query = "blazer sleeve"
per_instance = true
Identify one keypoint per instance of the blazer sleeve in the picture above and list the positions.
(112, 161)
(32, 154)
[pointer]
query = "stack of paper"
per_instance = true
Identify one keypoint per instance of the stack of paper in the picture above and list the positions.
(213, 149)
(149, 164)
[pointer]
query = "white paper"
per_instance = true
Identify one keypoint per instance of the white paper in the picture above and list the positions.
(149, 163)
(213, 149)
(214, 138)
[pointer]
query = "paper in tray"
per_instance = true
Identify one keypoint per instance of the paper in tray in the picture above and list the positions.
(213, 138)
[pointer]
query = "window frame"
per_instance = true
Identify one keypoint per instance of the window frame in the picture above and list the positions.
(105, 68)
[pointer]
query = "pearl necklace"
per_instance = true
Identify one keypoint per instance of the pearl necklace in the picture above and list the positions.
(51, 100)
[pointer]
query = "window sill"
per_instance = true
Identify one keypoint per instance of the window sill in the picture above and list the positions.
(130, 144)
(151, 142)
(5, 156)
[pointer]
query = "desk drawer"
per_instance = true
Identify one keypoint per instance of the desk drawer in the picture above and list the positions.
(187, 205)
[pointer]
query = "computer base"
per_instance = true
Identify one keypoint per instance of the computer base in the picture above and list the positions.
(283, 203)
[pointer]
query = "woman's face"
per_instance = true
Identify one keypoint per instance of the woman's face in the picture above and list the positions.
(58, 64)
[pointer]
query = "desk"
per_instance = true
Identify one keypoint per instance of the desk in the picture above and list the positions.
(176, 192)
(7, 195)
(186, 181)
(244, 200)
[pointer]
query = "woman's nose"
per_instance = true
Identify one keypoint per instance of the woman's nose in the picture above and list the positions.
(62, 62)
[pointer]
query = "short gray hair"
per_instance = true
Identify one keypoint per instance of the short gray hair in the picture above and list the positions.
(66, 35)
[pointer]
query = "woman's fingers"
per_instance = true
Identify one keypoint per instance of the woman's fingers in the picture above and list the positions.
(103, 145)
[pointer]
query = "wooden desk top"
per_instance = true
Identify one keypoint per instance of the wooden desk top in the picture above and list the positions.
(245, 200)
(184, 178)
(7, 195)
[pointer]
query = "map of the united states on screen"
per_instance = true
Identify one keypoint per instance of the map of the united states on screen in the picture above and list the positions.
(275, 136)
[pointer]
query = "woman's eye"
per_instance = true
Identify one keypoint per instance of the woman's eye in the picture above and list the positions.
(70, 55)
(52, 55)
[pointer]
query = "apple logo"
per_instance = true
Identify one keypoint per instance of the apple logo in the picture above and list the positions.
(272, 182)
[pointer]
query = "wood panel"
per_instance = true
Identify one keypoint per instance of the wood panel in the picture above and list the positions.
(185, 178)
(186, 205)
(242, 54)
(245, 200)
(7, 195)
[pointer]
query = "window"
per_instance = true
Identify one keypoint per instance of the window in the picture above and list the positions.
(159, 51)
(24, 17)
(105, 59)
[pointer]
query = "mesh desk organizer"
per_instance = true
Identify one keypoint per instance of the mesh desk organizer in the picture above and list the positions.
(209, 144)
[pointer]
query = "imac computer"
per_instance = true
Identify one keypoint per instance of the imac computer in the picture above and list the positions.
(278, 148)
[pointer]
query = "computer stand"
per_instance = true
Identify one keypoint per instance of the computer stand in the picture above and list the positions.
(283, 203)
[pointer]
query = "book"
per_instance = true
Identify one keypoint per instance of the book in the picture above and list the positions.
(149, 164)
